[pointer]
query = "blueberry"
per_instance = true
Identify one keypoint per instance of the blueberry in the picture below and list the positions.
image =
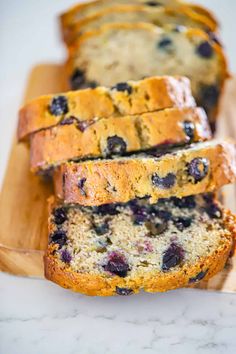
(123, 291)
(117, 265)
(182, 223)
(172, 257)
(116, 145)
(58, 106)
(198, 168)
(107, 209)
(161, 213)
(123, 86)
(205, 50)
(82, 125)
(81, 184)
(209, 96)
(214, 211)
(67, 121)
(186, 202)
(140, 214)
(60, 216)
(208, 197)
(164, 182)
(58, 237)
(198, 277)
(101, 229)
(66, 256)
(77, 79)
(153, 3)
(165, 43)
(189, 129)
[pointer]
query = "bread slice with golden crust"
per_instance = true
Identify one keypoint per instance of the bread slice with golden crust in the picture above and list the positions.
(199, 168)
(120, 52)
(117, 136)
(122, 249)
(132, 97)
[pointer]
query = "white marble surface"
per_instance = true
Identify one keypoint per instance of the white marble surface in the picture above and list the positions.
(37, 317)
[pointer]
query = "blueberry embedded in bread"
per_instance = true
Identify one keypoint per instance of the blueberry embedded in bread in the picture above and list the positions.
(130, 256)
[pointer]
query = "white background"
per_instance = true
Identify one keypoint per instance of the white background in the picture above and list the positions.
(39, 317)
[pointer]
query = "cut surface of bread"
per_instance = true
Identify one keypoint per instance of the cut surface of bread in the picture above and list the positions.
(122, 249)
(117, 136)
(133, 97)
(199, 168)
(90, 8)
(159, 16)
(121, 52)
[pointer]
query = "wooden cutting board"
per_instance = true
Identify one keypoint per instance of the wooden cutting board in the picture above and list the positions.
(23, 199)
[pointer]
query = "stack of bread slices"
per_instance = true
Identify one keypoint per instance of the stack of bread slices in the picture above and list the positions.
(134, 166)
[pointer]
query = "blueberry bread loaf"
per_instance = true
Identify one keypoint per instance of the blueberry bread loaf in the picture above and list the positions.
(119, 249)
(160, 16)
(200, 168)
(117, 136)
(116, 53)
(91, 8)
(133, 97)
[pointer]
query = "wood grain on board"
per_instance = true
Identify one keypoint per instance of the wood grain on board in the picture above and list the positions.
(23, 199)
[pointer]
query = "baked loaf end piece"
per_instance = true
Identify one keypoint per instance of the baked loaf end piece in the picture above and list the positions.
(160, 15)
(119, 52)
(121, 249)
(200, 168)
(117, 136)
(90, 8)
(133, 97)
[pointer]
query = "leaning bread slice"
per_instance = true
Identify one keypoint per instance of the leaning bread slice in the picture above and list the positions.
(200, 168)
(161, 16)
(133, 97)
(91, 8)
(122, 249)
(120, 52)
(117, 136)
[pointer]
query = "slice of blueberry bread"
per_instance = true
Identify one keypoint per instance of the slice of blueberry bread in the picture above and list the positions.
(199, 168)
(120, 52)
(120, 249)
(133, 97)
(160, 16)
(117, 136)
(91, 8)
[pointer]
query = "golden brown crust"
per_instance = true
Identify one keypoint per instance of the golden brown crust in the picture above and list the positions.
(53, 146)
(124, 179)
(102, 285)
(85, 105)
(155, 16)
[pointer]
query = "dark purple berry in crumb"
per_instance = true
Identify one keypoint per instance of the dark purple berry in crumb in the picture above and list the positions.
(60, 216)
(66, 256)
(198, 277)
(107, 209)
(139, 219)
(214, 211)
(67, 121)
(185, 202)
(117, 265)
(123, 86)
(82, 125)
(198, 168)
(164, 182)
(172, 257)
(81, 184)
(116, 145)
(161, 213)
(165, 43)
(205, 50)
(153, 3)
(77, 79)
(208, 197)
(189, 129)
(58, 106)
(140, 214)
(123, 291)
(209, 96)
(101, 229)
(58, 237)
(182, 223)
